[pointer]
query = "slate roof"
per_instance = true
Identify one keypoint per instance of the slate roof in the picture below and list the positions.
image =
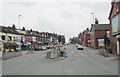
(101, 26)
(7, 30)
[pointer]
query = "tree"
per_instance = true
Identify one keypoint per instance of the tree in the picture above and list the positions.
(30, 30)
(74, 40)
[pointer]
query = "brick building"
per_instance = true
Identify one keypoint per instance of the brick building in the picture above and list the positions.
(114, 19)
(86, 37)
(98, 32)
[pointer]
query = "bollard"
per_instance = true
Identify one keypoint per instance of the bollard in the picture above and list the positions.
(48, 55)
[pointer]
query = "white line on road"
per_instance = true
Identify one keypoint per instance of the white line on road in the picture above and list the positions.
(70, 71)
(72, 52)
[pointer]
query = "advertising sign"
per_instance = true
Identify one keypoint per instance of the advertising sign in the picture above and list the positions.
(1, 48)
(101, 42)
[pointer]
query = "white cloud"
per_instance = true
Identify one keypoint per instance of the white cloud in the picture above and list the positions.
(56, 0)
(68, 18)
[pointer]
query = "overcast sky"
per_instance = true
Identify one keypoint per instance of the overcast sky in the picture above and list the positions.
(67, 17)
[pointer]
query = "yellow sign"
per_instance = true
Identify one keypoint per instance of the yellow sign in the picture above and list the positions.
(1, 46)
(56, 45)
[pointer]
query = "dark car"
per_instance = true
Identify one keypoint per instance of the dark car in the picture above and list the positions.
(48, 47)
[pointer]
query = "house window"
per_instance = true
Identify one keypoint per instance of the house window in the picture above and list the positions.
(15, 38)
(10, 38)
(117, 7)
(3, 37)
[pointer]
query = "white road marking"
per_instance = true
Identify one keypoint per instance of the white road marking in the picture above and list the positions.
(81, 54)
(70, 71)
(72, 52)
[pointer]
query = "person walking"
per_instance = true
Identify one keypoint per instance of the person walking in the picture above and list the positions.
(65, 53)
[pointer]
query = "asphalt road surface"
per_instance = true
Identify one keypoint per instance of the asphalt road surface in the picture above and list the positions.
(78, 62)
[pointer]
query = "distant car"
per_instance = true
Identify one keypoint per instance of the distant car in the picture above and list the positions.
(48, 47)
(61, 45)
(80, 47)
(51, 46)
(44, 47)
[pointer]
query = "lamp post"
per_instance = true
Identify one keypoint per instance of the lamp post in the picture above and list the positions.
(19, 32)
(93, 27)
(93, 16)
(19, 20)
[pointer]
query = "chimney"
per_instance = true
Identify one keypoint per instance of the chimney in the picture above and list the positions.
(23, 29)
(96, 21)
(30, 30)
(87, 29)
(13, 28)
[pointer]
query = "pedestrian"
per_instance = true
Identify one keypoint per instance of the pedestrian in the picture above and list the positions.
(61, 53)
(65, 53)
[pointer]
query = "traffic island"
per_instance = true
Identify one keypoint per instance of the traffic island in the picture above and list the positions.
(50, 55)
(56, 55)
(10, 55)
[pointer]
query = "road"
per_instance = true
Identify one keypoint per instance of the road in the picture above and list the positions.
(78, 62)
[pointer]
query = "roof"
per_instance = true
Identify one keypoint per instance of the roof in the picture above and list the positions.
(35, 33)
(28, 32)
(7, 30)
(101, 26)
(86, 31)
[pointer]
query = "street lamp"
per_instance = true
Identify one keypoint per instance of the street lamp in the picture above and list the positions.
(93, 16)
(19, 20)
(93, 28)
(19, 32)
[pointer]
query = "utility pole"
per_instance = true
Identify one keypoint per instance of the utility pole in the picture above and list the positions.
(93, 28)
(19, 33)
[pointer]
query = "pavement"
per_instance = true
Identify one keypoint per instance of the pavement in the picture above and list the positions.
(110, 56)
(78, 62)
(10, 55)
(0, 66)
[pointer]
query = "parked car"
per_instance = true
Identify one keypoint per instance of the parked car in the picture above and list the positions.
(80, 47)
(44, 47)
(51, 46)
(48, 46)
